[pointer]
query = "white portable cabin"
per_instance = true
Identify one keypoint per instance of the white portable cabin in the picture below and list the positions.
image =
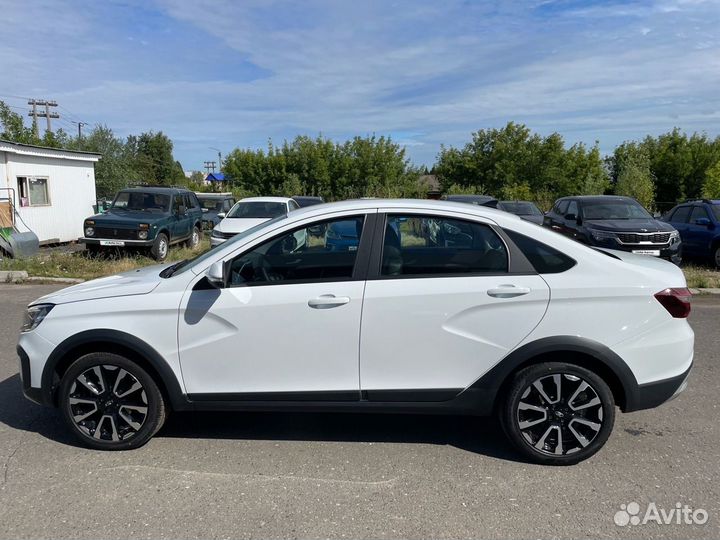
(51, 190)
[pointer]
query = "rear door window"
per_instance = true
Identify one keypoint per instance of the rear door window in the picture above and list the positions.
(698, 212)
(434, 245)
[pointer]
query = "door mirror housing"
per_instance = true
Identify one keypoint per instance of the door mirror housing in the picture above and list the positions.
(571, 217)
(216, 274)
(703, 222)
(221, 215)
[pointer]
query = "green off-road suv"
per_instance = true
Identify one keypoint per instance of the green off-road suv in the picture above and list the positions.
(146, 217)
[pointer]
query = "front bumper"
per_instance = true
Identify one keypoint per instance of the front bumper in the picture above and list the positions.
(33, 394)
(125, 243)
(669, 252)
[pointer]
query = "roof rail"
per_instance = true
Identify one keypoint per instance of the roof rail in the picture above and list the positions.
(143, 184)
(706, 201)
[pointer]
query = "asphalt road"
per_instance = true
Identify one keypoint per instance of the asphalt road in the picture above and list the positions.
(357, 476)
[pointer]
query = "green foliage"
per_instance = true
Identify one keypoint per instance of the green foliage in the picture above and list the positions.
(512, 161)
(634, 177)
(361, 167)
(13, 127)
(711, 185)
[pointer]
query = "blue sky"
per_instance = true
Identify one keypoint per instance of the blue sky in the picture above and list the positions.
(226, 73)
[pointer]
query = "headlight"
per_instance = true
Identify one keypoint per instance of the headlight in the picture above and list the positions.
(34, 316)
(217, 234)
(674, 237)
(89, 231)
(142, 235)
(602, 235)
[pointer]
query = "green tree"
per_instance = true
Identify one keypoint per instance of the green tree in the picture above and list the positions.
(114, 170)
(711, 185)
(634, 177)
(13, 127)
(153, 161)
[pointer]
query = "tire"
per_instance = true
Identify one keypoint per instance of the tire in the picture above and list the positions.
(716, 255)
(557, 428)
(194, 239)
(160, 248)
(110, 403)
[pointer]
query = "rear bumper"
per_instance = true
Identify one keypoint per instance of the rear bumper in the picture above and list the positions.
(126, 243)
(647, 396)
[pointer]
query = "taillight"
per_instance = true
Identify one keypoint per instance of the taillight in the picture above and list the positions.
(676, 301)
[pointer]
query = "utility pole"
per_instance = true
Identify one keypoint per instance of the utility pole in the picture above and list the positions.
(219, 156)
(80, 125)
(47, 114)
(209, 165)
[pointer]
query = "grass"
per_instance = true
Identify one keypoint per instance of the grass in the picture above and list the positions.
(77, 264)
(700, 277)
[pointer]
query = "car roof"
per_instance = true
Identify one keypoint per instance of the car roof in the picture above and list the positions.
(214, 195)
(266, 199)
(155, 189)
(597, 198)
(516, 201)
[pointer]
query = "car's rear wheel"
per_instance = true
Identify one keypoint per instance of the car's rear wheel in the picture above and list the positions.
(160, 248)
(194, 239)
(716, 256)
(110, 403)
(557, 413)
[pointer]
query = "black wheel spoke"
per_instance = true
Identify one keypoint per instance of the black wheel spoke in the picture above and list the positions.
(108, 403)
(559, 414)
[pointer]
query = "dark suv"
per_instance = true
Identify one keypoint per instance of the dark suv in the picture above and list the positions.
(698, 223)
(615, 223)
(146, 217)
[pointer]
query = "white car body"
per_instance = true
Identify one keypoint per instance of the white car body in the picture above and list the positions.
(441, 343)
(230, 226)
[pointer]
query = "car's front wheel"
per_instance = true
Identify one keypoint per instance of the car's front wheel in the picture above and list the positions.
(110, 403)
(557, 413)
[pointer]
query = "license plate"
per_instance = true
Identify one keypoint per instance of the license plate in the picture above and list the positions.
(653, 252)
(112, 243)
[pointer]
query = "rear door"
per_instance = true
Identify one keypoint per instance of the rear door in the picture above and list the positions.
(699, 237)
(440, 307)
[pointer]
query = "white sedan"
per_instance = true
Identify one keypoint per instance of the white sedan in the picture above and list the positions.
(249, 212)
(389, 305)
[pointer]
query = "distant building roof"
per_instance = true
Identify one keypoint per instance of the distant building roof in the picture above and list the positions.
(430, 181)
(215, 177)
(45, 151)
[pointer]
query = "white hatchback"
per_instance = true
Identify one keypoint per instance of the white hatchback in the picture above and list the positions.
(249, 212)
(371, 305)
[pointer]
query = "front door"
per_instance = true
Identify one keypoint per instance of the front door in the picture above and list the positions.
(443, 310)
(287, 324)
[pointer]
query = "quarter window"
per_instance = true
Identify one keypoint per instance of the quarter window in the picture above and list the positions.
(33, 191)
(572, 208)
(324, 251)
(431, 245)
(545, 259)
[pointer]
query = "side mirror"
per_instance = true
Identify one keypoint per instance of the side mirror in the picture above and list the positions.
(571, 217)
(703, 222)
(204, 210)
(216, 274)
(221, 215)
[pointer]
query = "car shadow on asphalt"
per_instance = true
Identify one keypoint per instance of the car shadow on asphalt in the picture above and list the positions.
(473, 434)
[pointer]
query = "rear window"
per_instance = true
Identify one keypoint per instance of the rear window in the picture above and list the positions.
(545, 259)
(521, 208)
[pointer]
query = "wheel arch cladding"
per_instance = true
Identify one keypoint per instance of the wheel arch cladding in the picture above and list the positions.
(115, 342)
(571, 349)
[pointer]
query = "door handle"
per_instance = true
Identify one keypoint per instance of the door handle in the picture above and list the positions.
(327, 301)
(507, 291)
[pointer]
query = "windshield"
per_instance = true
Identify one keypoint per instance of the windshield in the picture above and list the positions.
(141, 201)
(614, 210)
(257, 209)
(211, 204)
(521, 208)
(180, 267)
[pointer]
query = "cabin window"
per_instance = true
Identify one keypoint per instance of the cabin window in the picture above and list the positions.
(33, 191)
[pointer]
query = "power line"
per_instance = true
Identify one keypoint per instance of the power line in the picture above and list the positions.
(80, 126)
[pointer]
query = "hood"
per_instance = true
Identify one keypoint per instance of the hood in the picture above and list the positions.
(629, 225)
(140, 281)
(238, 225)
(128, 218)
